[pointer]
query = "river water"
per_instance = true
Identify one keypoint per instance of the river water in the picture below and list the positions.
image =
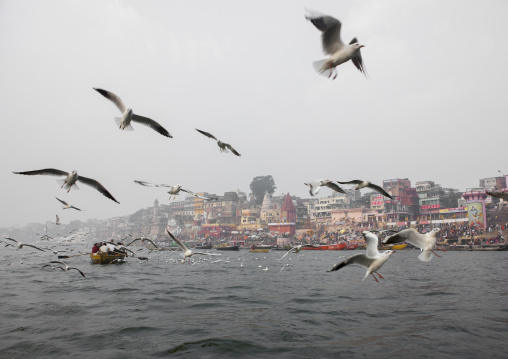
(451, 307)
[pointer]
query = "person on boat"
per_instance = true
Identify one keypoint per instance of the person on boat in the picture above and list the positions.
(104, 248)
(95, 248)
(111, 247)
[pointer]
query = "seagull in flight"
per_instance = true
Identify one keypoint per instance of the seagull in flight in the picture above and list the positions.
(67, 268)
(55, 267)
(297, 249)
(187, 253)
(57, 221)
(20, 245)
(173, 189)
(316, 185)
(70, 180)
(372, 259)
(362, 184)
(224, 147)
(426, 242)
(124, 122)
(142, 239)
(66, 205)
(333, 45)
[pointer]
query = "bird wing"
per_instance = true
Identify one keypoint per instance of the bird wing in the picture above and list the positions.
(152, 124)
(63, 202)
(351, 182)
(60, 262)
(45, 171)
(372, 243)
(11, 239)
(314, 187)
(207, 134)
(143, 183)
(75, 208)
(358, 259)
(330, 28)
(187, 191)
(180, 244)
(380, 190)
(401, 236)
(358, 61)
(232, 149)
(286, 253)
(29, 245)
(128, 244)
(149, 240)
(83, 274)
(335, 187)
(113, 98)
(95, 184)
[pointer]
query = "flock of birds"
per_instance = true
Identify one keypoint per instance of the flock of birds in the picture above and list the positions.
(339, 53)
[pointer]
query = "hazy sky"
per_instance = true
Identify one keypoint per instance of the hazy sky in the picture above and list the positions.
(434, 107)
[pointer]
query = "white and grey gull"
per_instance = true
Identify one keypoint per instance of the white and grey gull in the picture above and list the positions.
(316, 185)
(426, 242)
(333, 45)
(70, 180)
(124, 122)
(224, 147)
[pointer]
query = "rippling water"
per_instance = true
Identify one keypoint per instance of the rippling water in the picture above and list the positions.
(454, 306)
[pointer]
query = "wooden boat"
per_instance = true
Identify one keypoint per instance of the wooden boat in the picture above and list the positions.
(261, 250)
(103, 258)
(329, 247)
(394, 247)
(351, 247)
(204, 246)
(227, 248)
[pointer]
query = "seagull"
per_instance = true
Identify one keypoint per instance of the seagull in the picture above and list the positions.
(297, 249)
(55, 267)
(362, 184)
(20, 245)
(66, 205)
(173, 190)
(142, 239)
(69, 268)
(187, 253)
(426, 242)
(224, 147)
(372, 259)
(498, 194)
(57, 221)
(333, 45)
(124, 122)
(315, 186)
(285, 265)
(70, 180)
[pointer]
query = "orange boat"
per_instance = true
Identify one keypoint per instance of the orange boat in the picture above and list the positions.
(351, 246)
(329, 247)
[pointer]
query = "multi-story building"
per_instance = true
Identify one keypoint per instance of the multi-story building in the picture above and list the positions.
(493, 183)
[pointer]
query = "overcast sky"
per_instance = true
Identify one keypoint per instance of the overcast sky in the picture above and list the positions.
(434, 107)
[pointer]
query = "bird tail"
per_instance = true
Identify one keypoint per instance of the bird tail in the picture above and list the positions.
(425, 256)
(61, 182)
(118, 121)
(321, 68)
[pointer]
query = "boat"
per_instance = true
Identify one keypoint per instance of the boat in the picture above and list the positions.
(393, 247)
(204, 246)
(227, 248)
(329, 247)
(351, 247)
(260, 250)
(104, 258)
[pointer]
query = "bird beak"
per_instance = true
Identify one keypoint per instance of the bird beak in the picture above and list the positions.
(362, 46)
(394, 251)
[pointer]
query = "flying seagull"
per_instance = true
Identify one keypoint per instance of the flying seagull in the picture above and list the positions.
(187, 253)
(362, 184)
(297, 249)
(70, 180)
(20, 245)
(57, 221)
(224, 147)
(66, 205)
(124, 122)
(173, 189)
(426, 242)
(333, 45)
(55, 267)
(316, 185)
(372, 259)
(143, 240)
(67, 268)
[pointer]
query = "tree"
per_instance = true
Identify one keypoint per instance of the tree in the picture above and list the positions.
(261, 185)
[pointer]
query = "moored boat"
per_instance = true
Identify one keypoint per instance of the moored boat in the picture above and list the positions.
(261, 250)
(227, 248)
(204, 246)
(329, 247)
(104, 258)
(351, 247)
